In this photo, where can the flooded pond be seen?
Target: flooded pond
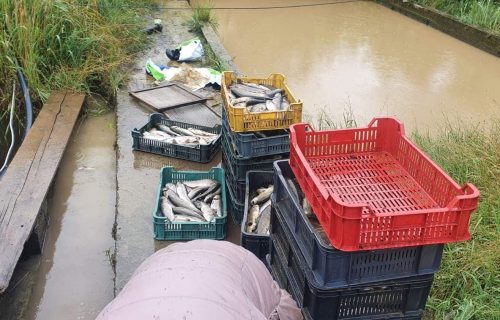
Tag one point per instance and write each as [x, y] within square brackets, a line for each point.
[365, 57]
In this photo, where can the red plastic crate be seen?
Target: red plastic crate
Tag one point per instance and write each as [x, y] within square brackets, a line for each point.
[372, 188]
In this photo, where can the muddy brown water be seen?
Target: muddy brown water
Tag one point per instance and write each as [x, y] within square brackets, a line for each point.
[365, 57]
[75, 277]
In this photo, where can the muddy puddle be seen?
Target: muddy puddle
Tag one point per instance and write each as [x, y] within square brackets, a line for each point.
[365, 57]
[75, 277]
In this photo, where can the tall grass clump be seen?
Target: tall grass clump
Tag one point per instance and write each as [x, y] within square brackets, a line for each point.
[468, 284]
[480, 13]
[202, 14]
[66, 44]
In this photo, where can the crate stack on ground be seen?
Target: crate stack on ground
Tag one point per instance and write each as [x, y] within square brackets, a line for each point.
[381, 212]
[253, 141]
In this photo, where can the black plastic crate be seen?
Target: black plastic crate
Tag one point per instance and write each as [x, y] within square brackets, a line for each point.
[402, 298]
[203, 153]
[250, 145]
[235, 207]
[339, 268]
[240, 167]
[258, 244]
[238, 187]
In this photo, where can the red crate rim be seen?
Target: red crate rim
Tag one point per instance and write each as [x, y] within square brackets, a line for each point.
[469, 191]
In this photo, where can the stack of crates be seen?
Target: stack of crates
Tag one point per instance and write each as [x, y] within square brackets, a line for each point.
[253, 141]
[382, 211]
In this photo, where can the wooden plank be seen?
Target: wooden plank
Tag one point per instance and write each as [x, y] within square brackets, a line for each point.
[24, 186]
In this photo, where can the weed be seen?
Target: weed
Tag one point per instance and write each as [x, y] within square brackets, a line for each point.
[202, 14]
[480, 13]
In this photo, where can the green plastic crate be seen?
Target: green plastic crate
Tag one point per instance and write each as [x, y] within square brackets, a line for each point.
[166, 230]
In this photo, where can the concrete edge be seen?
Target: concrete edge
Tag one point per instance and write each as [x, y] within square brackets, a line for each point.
[474, 36]
[218, 48]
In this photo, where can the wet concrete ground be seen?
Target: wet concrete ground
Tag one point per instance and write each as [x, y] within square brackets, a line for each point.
[138, 172]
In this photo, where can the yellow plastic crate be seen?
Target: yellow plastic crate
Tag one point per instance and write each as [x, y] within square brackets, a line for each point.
[240, 120]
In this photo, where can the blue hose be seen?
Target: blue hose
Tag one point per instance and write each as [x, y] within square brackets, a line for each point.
[27, 101]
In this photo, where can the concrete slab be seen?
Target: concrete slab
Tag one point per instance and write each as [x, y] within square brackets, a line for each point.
[138, 172]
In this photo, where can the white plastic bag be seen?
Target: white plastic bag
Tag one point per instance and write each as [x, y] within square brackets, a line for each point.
[191, 50]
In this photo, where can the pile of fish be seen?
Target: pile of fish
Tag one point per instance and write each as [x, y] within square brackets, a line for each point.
[196, 201]
[258, 98]
[190, 137]
[259, 215]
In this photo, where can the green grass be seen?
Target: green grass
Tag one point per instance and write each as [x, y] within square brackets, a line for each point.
[468, 283]
[202, 14]
[67, 44]
[481, 13]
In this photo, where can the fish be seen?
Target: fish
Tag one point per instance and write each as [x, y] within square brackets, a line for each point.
[210, 196]
[263, 196]
[261, 107]
[307, 207]
[170, 186]
[271, 106]
[159, 133]
[181, 131]
[207, 192]
[166, 208]
[277, 100]
[253, 216]
[264, 221]
[182, 192]
[166, 129]
[215, 205]
[188, 212]
[185, 218]
[195, 191]
[202, 133]
[266, 205]
[257, 98]
[208, 213]
[178, 202]
[151, 136]
[245, 91]
[207, 183]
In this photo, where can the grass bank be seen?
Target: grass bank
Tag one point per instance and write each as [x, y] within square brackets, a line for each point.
[480, 13]
[468, 284]
[66, 44]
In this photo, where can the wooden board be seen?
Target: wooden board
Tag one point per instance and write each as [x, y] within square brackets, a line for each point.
[24, 185]
[167, 97]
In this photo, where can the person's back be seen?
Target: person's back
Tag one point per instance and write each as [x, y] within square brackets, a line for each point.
[202, 279]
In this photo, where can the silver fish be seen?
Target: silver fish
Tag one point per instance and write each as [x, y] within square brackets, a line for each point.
[151, 136]
[272, 93]
[181, 131]
[166, 208]
[208, 214]
[187, 212]
[246, 91]
[166, 129]
[178, 202]
[277, 100]
[210, 196]
[210, 190]
[264, 221]
[265, 206]
[206, 183]
[181, 191]
[199, 132]
[285, 105]
[263, 196]
[195, 191]
[261, 107]
[170, 186]
[215, 205]
[253, 217]
[159, 133]
[271, 106]
[185, 218]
